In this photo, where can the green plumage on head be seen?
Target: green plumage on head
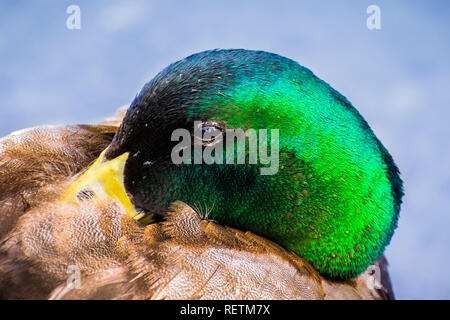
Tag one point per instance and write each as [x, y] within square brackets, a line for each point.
[336, 197]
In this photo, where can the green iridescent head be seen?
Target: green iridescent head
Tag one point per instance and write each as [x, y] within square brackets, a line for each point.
[336, 197]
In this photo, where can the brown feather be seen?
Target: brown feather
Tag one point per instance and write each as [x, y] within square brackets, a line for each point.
[33, 160]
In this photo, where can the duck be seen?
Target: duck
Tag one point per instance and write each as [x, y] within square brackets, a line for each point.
[113, 201]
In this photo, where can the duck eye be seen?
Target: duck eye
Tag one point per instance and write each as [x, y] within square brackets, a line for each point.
[209, 132]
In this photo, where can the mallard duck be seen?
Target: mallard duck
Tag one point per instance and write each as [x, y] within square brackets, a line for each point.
[110, 202]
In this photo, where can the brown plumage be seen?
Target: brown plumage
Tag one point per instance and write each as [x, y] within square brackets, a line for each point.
[183, 257]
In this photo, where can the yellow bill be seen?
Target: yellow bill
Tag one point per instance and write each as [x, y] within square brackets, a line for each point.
[104, 181]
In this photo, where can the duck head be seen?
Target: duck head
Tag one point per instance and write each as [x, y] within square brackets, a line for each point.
[330, 191]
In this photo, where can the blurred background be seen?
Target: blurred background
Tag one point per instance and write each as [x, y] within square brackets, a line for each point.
[398, 77]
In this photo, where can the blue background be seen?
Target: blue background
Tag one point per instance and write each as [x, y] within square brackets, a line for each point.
[398, 78]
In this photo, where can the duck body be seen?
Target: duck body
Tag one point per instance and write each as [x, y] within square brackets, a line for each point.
[316, 229]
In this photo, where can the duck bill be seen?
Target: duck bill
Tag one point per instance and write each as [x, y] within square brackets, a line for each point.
[103, 183]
